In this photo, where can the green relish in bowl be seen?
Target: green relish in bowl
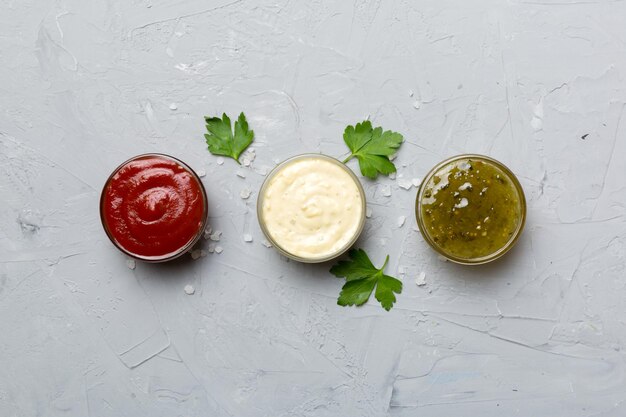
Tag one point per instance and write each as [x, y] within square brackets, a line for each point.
[471, 209]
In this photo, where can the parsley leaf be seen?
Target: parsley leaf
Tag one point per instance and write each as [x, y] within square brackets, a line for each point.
[372, 147]
[221, 140]
[361, 278]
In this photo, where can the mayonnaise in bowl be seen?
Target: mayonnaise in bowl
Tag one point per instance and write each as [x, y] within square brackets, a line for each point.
[312, 208]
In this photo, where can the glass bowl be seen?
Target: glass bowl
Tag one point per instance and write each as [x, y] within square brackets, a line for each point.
[521, 210]
[181, 250]
[277, 245]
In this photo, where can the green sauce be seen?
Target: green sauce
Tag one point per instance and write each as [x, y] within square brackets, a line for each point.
[470, 208]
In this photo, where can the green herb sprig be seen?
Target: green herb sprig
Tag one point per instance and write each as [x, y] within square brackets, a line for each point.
[372, 147]
[223, 141]
[361, 279]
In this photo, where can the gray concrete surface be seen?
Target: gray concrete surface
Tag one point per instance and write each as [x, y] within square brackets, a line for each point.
[539, 85]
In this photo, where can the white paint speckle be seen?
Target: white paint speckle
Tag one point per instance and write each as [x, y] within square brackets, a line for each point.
[417, 104]
[189, 289]
[537, 120]
[244, 194]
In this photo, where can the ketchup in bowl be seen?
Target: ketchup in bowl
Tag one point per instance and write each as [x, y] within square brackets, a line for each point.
[153, 207]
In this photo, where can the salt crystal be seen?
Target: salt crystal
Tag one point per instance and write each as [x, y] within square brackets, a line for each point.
[386, 191]
[219, 249]
[131, 264]
[189, 289]
[266, 243]
[411, 93]
[173, 106]
[211, 247]
[207, 232]
[442, 258]
[201, 173]
[392, 176]
[405, 184]
[368, 212]
[416, 182]
[421, 279]
[401, 221]
[417, 104]
[195, 254]
[220, 160]
[241, 174]
[216, 236]
[401, 270]
[245, 193]
[247, 237]
[246, 162]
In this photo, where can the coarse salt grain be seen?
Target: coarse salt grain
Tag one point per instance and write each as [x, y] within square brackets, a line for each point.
[401, 221]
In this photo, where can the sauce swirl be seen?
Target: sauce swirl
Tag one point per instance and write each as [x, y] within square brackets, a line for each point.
[312, 207]
[153, 207]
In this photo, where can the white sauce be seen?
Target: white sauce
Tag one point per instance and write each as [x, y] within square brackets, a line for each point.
[312, 208]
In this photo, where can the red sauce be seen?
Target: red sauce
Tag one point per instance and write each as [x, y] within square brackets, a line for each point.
[153, 206]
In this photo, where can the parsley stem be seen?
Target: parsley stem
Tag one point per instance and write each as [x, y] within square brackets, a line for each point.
[348, 158]
[385, 264]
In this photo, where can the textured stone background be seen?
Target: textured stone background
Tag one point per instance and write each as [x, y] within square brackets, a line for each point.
[537, 84]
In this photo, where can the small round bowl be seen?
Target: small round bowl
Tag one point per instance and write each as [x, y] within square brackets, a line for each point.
[482, 259]
[264, 226]
[183, 249]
